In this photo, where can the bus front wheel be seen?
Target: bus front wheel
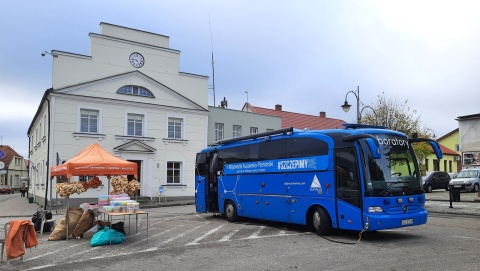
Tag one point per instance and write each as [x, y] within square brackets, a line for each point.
[322, 224]
[230, 211]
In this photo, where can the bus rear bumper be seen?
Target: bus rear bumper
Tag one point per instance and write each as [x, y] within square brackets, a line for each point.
[383, 221]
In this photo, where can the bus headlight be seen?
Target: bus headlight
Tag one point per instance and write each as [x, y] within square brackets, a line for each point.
[375, 209]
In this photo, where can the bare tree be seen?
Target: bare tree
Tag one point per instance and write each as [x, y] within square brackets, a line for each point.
[400, 117]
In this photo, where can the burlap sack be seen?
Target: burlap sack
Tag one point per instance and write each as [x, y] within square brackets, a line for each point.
[59, 233]
[84, 224]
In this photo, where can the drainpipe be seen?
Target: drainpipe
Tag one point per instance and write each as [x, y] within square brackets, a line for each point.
[48, 158]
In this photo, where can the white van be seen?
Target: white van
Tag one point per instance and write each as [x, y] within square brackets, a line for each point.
[467, 179]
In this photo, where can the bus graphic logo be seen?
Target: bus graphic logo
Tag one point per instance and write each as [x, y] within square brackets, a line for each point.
[316, 186]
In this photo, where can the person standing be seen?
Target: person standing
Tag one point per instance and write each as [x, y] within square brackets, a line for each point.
[23, 190]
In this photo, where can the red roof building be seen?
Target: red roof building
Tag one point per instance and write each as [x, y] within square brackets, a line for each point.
[297, 120]
[12, 167]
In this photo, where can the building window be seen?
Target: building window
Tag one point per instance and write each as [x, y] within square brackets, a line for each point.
[85, 179]
[450, 166]
[269, 130]
[426, 164]
[253, 130]
[436, 165]
[135, 125]
[135, 90]
[237, 131]
[445, 166]
[457, 147]
[45, 125]
[173, 172]
[175, 128]
[218, 131]
[88, 121]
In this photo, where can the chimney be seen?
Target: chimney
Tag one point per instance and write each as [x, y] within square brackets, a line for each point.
[323, 114]
[278, 107]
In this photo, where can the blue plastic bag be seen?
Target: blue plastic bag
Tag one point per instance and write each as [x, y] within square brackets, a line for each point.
[107, 236]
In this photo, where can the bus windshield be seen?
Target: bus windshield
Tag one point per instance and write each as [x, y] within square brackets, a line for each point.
[396, 172]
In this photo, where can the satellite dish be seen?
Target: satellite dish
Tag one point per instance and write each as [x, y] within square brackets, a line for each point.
[224, 103]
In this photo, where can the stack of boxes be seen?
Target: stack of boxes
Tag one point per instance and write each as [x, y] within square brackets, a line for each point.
[117, 204]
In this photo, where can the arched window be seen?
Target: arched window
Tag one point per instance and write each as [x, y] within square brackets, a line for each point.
[135, 90]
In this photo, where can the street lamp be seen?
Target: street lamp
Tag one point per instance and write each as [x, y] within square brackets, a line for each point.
[346, 106]
[373, 110]
[428, 129]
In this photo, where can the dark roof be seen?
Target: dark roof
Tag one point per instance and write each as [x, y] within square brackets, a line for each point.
[9, 154]
[298, 120]
[474, 116]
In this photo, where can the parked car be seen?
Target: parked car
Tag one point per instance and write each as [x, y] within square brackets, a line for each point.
[467, 179]
[6, 189]
[435, 180]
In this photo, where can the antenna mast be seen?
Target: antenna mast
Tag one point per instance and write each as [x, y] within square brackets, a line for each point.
[213, 66]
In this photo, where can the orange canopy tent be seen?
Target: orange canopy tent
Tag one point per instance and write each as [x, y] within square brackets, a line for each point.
[94, 161]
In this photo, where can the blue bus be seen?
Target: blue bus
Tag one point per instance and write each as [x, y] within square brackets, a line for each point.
[362, 178]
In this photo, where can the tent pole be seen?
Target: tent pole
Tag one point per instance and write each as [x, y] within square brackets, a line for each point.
[67, 215]
[108, 185]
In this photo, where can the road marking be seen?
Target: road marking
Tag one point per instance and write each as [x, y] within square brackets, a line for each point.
[51, 252]
[177, 236]
[466, 237]
[210, 232]
[156, 247]
[228, 236]
[256, 233]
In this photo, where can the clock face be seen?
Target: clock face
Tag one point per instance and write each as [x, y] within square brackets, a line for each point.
[137, 60]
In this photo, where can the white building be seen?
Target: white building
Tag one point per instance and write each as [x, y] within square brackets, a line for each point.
[469, 129]
[129, 96]
[226, 123]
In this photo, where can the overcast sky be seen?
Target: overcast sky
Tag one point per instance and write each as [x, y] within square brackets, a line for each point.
[304, 55]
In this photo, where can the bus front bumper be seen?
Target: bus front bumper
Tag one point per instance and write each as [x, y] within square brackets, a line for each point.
[383, 221]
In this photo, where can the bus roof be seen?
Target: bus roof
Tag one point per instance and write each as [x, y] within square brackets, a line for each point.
[350, 129]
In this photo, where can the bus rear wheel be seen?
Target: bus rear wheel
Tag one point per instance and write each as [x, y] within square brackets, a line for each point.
[321, 222]
[230, 211]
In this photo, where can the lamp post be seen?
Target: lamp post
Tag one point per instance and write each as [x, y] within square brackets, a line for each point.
[347, 106]
[428, 129]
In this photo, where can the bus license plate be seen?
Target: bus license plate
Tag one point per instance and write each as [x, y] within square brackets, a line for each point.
[407, 221]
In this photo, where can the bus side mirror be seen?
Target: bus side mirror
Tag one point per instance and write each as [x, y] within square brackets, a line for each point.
[436, 148]
[372, 142]
[374, 148]
[433, 143]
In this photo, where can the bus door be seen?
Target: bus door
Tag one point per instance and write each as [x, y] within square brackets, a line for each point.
[201, 174]
[206, 183]
[348, 190]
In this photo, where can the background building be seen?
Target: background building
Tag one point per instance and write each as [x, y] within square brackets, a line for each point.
[469, 129]
[12, 167]
[226, 123]
[297, 120]
[129, 96]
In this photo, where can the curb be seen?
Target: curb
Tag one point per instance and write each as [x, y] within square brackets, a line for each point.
[150, 206]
